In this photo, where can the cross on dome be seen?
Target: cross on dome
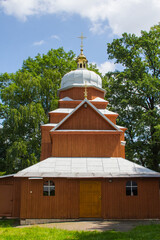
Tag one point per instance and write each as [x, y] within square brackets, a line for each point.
[82, 37]
[81, 59]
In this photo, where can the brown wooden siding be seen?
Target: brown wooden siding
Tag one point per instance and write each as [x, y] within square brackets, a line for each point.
[56, 117]
[77, 93]
[16, 198]
[115, 204]
[73, 104]
[112, 118]
[68, 104]
[65, 203]
[100, 105]
[84, 144]
[86, 118]
[46, 147]
[122, 147]
[10, 197]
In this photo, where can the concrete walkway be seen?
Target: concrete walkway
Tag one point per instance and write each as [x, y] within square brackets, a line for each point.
[123, 225]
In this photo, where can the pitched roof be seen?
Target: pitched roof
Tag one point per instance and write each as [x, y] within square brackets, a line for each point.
[98, 99]
[66, 99]
[69, 110]
[93, 107]
[78, 167]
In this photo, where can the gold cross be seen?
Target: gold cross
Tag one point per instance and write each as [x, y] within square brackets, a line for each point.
[82, 37]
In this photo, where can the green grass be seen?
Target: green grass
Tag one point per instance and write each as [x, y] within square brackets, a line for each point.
[8, 232]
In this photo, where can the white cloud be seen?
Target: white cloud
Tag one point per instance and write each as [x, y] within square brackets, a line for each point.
[39, 43]
[106, 67]
[55, 37]
[120, 15]
[98, 28]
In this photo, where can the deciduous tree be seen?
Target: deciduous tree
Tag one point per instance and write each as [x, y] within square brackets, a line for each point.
[26, 98]
[134, 93]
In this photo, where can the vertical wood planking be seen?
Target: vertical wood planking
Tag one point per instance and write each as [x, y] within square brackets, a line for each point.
[85, 145]
[77, 93]
[119, 206]
[65, 203]
[86, 118]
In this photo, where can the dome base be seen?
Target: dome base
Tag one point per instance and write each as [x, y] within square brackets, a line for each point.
[76, 92]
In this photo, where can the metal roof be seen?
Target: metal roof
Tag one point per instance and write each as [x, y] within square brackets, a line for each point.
[66, 99]
[5, 176]
[98, 99]
[79, 77]
[50, 124]
[69, 110]
[78, 167]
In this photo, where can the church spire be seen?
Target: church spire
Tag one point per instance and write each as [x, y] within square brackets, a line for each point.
[81, 59]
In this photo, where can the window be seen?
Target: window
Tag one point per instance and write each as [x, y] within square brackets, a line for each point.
[80, 65]
[131, 188]
[48, 188]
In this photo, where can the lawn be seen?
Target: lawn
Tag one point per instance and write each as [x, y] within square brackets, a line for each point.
[9, 232]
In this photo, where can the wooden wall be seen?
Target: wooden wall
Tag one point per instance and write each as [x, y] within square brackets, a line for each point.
[112, 118]
[73, 104]
[46, 147]
[100, 105]
[68, 104]
[77, 93]
[65, 203]
[85, 144]
[115, 204]
[122, 138]
[56, 117]
[86, 118]
[9, 197]
[119, 206]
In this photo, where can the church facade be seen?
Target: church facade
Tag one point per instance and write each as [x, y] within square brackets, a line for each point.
[83, 172]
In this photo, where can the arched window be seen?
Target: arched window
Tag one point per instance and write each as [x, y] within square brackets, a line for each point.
[131, 188]
[80, 65]
[48, 188]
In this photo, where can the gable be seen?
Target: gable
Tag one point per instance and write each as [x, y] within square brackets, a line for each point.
[86, 118]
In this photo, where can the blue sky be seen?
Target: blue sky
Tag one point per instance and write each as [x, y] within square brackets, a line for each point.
[29, 27]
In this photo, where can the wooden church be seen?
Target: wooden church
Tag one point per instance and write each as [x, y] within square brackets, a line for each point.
[83, 172]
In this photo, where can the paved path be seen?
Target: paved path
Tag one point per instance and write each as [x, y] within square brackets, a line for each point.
[123, 225]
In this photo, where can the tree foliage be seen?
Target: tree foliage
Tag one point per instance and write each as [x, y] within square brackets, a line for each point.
[26, 98]
[134, 93]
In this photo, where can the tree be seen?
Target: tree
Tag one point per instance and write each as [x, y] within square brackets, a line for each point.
[26, 98]
[135, 93]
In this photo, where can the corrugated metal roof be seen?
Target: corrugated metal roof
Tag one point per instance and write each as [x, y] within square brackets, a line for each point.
[77, 167]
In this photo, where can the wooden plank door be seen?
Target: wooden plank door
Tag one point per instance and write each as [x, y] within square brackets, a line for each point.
[90, 199]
